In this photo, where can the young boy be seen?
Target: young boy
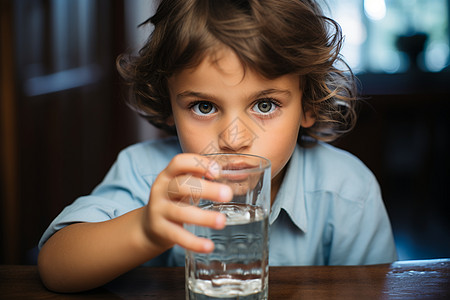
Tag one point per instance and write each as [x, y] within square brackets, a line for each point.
[254, 77]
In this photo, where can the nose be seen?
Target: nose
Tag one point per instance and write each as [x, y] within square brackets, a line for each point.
[237, 136]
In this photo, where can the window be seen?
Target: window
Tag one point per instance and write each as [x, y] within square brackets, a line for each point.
[393, 36]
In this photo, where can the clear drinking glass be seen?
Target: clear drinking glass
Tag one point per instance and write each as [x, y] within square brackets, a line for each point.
[238, 267]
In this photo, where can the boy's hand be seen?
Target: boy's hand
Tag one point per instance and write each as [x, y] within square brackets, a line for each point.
[169, 208]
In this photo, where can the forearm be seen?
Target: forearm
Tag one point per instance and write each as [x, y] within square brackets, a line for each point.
[83, 256]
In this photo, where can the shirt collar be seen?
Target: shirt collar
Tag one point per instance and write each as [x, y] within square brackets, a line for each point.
[290, 196]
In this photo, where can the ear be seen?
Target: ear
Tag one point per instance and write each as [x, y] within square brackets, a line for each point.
[308, 119]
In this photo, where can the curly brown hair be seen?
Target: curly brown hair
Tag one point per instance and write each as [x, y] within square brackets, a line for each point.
[271, 37]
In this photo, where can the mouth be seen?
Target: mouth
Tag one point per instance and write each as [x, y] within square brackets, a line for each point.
[237, 167]
[238, 172]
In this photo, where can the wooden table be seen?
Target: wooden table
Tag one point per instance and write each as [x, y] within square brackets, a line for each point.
[419, 279]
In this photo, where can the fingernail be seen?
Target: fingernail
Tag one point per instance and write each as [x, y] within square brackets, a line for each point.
[214, 169]
[208, 246]
[225, 193]
[220, 221]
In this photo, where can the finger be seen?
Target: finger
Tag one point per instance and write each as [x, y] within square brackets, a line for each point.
[186, 187]
[196, 216]
[188, 240]
[189, 163]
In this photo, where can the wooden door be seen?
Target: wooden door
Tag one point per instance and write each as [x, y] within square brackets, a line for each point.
[68, 120]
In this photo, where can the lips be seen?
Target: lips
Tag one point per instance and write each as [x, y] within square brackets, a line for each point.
[238, 172]
[238, 166]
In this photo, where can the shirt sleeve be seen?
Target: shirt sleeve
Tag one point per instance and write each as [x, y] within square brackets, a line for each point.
[123, 189]
[362, 235]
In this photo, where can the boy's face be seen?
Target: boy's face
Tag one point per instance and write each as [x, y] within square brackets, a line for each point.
[219, 108]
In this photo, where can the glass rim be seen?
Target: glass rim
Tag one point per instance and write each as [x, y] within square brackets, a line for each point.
[263, 164]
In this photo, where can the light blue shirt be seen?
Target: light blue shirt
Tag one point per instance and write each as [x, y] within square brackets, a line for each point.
[328, 210]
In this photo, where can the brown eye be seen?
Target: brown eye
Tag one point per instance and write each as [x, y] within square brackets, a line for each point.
[203, 108]
[264, 106]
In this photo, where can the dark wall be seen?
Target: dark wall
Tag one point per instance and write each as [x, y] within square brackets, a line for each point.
[405, 141]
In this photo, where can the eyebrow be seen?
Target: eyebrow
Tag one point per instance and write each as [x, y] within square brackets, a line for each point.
[259, 94]
[270, 92]
[194, 94]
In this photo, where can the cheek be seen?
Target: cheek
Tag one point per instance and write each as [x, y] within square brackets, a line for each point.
[188, 141]
[187, 134]
[195, 139]
[280, 144]
[282, 149]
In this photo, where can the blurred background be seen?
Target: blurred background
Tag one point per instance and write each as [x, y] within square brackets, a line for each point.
[63, 119]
